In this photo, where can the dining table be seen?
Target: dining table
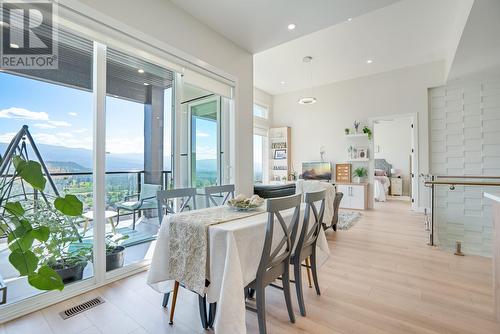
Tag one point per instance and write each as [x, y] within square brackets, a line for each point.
[233, 251]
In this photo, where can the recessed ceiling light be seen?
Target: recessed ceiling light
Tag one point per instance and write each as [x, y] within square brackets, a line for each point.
[307, 100]
[282, 82]
[349, 19]
[291, 26]
[369, 61]
[146, 84]
[140, 70]
[14, 46]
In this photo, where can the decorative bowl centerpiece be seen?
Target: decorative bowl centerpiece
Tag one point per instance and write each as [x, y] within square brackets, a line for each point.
[243, 203]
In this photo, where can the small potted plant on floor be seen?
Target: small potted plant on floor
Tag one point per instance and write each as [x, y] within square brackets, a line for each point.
[114, 251]
[359, 173]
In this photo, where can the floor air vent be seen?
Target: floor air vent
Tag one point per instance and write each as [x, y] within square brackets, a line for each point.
[81, 308]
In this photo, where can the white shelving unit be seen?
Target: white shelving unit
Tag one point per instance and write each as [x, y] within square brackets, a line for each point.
[279, 140]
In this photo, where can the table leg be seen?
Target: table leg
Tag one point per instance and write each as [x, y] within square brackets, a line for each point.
[308, 264]
[110, 220]
[85, 225]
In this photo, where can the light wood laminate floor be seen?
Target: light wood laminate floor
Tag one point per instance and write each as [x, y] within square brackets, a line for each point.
[381, 278]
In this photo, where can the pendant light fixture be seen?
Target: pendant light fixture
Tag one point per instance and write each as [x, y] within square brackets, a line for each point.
[308, 99]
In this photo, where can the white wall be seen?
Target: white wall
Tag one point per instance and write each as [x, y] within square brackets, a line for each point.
[392, 142]
[163, 21]
[340, 104]
[465, 140]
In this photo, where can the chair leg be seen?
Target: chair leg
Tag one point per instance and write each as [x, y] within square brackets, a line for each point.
[212, 309]
[308, 269]
[297, 272]
[117, 216]
[261, 308]
[202, 306]
[286, 292]
[334, 227]
[133, 220]
[166, 296]
[174, 301]
[251, 293]
[315, 271]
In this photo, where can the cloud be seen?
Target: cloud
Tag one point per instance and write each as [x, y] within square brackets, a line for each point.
[201, 134]
[74, 114]
[59, 123]
[7, 137]
[21, 113]
[43, 126]
[64, 139]
[125, 145]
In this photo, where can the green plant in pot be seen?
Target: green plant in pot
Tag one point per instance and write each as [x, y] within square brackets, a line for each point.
[31, 240]
[61, 251]
[347, 131]
[368, 132]
[114, 251]
[359, 173]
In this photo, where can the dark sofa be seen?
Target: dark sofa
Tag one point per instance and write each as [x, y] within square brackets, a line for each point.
[274, 190]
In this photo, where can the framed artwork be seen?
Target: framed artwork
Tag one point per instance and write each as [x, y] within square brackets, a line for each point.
[316, 171]
[343, 173]
[280, 154]
[362, 153]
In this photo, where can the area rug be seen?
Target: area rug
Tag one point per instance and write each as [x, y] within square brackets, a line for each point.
[347, 219]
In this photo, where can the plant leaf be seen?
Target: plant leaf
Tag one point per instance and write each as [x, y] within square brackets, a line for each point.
[46, 279]
[14, 208]
[23, 243]
[69, 205]
[41, 233]
[24, 262]
[31, 172]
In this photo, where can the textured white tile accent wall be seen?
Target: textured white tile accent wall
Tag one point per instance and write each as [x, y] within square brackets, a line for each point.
[464, 140]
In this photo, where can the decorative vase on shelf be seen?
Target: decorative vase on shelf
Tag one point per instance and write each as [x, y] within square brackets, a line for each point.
[357, 179]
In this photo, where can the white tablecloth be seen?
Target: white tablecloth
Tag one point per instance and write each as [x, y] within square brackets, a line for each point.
[234, 249]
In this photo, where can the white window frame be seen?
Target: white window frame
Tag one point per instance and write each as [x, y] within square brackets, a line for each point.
[127, 40]
[261, 127]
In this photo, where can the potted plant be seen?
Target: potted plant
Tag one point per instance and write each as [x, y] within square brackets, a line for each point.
[368, 132]
[62, 251]
[359, 173]
[25, 226]
[346, 130]
[114, 251]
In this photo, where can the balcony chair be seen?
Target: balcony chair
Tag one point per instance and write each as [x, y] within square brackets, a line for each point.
[165, 204]
[146, 200]
[275, 260]
[226, 192]
[306, 244]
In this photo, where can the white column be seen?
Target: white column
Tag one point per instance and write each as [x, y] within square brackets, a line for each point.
[99, 160]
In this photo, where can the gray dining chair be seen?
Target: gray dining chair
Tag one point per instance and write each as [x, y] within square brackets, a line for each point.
[275, 258]
[336, 206]
[225, 192]
[306, 244]
[165, 199]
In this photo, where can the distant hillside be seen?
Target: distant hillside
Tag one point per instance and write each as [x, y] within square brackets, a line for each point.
[65, 167]
[60, 156]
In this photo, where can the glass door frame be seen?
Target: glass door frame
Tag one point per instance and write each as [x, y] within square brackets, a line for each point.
[190, 105]
[128, 41]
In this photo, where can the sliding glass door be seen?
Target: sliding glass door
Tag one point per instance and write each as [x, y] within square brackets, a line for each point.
[205, 142]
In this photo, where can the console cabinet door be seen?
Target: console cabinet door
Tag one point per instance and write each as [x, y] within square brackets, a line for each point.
[345, 203]
[358, 197]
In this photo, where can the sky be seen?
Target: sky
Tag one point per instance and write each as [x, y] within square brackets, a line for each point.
[62, 116]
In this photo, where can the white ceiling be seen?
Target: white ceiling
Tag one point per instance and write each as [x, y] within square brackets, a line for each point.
[479, 47]
[257, 25]
[406, 33]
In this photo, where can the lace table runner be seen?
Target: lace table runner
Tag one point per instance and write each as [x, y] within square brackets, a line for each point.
[188, 243]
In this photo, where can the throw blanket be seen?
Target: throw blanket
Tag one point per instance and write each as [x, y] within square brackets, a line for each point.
[306, 186]
[188, 244]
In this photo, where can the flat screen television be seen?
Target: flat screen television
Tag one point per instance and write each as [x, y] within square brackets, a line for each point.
[317, 170]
